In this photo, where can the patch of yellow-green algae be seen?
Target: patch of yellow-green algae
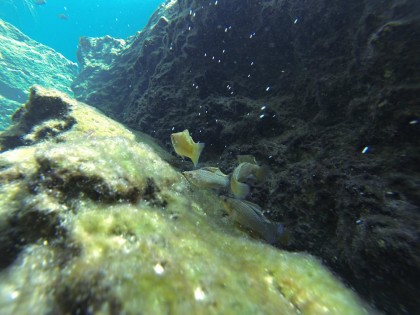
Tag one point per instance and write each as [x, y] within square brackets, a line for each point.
[105, 226]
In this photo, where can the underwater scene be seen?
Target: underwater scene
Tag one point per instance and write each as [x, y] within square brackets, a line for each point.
[210, 157]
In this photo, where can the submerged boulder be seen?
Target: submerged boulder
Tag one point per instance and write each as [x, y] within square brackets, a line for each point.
[24, 62]
[93, 219]
[325, 93]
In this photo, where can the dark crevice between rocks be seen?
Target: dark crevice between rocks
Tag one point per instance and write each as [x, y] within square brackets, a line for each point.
[86, 296]
[151, 194]
[28, 225]
[94, 187]
[76, 186]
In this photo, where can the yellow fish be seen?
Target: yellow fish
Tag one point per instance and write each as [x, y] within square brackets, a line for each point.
[246, 158]
[208, 177]
[244, 173]
[185, 146]
[250, 216]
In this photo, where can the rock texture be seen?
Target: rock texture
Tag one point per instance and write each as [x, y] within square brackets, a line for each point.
[93, 220]
[305, 87]
[24, 62]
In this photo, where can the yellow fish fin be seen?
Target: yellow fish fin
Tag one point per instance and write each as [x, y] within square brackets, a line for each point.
[197, 149]
[261, 173]
[239, 190]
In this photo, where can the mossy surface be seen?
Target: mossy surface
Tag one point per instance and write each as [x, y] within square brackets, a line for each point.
[100, 223]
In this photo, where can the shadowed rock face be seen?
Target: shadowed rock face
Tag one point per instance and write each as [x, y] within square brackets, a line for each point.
[305, 87]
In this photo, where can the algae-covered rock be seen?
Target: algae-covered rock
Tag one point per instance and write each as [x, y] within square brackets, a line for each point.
[94, 220]
[24, 62]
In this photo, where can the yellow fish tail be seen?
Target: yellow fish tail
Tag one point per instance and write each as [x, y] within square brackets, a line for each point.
[261, 173]
[239, 190]
[276, 233]
[198, 148]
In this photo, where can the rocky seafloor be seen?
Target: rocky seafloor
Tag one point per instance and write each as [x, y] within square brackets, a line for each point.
[324, 93]
[94, 220]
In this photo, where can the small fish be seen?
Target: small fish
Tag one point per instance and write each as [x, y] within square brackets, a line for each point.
[244, 174]
[208, 177]
[62, 16]
[185, 146]
[40, 2]
[250, 216]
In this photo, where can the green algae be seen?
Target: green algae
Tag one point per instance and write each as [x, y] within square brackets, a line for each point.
[106, 226]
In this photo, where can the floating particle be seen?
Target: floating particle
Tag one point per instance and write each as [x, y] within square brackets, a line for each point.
[215, 2]
[226, 29]
[365, 149]
[414, 122]
[199, 294]
[261, 116]
[14, 294]
[263, 107]
[158, 268]
[295, 21]
[252, 63]
[267, 88]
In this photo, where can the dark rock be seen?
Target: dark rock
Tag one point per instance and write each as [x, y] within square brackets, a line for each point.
[305, 87]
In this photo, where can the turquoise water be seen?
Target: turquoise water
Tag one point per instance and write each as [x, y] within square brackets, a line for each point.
[60, 23]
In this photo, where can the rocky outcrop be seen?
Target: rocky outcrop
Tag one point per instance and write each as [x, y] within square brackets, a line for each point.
[324, 93]
[24, 62]
[93, 220]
